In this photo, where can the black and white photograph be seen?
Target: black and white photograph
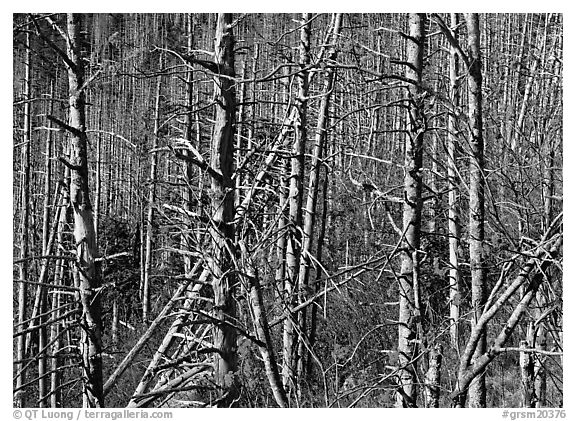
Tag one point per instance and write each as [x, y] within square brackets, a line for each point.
[287, 210]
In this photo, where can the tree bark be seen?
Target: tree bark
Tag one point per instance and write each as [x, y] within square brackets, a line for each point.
[453, 214]
[412, 212]
[84, 234]
[294, 236]
[433, 377]
[526, 362]
[477, 391]
[222, 208]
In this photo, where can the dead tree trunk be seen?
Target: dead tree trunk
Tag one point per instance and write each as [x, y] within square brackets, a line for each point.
[19, 397]
[433, 377]
[294, 239]
[477, 392]
[151, 202]
[314, 179]
[84, 234]
[526, 360]
[42, 361]
[409, 290]
[453, 214]
[222, 209]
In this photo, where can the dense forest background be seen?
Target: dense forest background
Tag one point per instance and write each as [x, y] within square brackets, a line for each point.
[255, 210]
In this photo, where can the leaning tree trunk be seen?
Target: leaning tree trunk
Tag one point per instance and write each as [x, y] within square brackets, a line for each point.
[314, 179]
[477, 391]
[84, 234]
[409, 290]
[222, 208]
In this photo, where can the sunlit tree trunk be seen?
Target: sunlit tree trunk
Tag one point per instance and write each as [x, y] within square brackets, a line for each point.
[477, 391]
[412, 211]
[453, 186]
[84, 234]
[294, 239]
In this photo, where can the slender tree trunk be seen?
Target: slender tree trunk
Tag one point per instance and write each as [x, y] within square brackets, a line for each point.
[240, 129]
[477, 391]
[453, 214]
[222, 208]
[19, 397]
[540, 330]
[280, 276]
[314, 179]
[98, 178]
[186, 239]
[408, 305]
[84, 235]
[149, 243]
[42, 363]
[294, 240]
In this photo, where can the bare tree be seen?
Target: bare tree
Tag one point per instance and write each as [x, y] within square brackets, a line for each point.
[294, 233]
[222, 209]
[453, 216]
[19, 398]
[409, 306]
[477, 392]
[149, 243]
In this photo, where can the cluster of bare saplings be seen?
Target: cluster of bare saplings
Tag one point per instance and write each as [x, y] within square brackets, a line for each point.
[293, 210]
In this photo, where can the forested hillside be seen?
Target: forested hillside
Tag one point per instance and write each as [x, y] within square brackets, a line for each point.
[293, 210]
